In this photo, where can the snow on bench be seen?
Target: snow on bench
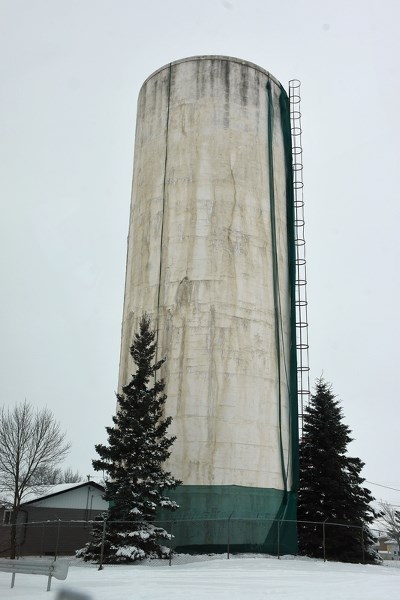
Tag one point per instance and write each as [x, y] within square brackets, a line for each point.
[43, 566]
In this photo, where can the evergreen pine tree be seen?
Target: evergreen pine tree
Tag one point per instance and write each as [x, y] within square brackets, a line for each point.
[331, 487]
[133, 462]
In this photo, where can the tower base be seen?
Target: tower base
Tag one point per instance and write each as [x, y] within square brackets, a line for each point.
[245, 519]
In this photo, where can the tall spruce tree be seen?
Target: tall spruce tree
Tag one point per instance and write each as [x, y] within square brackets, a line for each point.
[331, 489]
[138, 446]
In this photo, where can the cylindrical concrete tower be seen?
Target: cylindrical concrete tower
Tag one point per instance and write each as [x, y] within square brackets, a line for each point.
[211, 260]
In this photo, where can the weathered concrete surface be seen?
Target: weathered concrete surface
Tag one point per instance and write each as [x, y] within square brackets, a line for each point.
[200, 263]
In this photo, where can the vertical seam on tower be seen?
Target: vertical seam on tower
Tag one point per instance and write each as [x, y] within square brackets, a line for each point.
[293, 414]
[163, 211]
[275, 275]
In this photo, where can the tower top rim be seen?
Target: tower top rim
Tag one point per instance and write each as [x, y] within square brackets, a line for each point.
[205, 57]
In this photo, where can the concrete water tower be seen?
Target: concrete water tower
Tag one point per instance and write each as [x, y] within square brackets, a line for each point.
[211, 260]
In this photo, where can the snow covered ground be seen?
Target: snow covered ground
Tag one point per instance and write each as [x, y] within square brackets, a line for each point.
[247, 578]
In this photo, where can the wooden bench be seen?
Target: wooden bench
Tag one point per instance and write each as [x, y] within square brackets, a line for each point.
[43, 566]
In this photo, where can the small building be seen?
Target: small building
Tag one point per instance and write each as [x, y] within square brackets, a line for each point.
[55, 521]
[388, 548]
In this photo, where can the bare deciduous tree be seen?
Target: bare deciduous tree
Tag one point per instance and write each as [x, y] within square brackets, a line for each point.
[390, 521]
[46, 476]
[30, 440]
[69, 476]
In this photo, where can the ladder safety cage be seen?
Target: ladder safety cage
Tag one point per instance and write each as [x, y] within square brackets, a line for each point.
[302, 345]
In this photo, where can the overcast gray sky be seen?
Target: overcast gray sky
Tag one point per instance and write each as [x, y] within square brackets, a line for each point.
[71, 71]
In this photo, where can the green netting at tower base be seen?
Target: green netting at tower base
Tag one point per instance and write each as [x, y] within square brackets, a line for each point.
[211, 518]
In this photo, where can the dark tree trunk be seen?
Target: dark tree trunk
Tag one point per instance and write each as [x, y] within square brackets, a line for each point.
[13, 534]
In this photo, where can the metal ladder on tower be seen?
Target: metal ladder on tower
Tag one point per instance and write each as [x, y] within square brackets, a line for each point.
[302, 345]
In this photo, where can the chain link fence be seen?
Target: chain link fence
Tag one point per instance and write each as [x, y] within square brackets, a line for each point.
[46, 538]
[198, 538]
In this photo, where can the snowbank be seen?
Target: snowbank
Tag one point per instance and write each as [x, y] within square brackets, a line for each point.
[247, 578]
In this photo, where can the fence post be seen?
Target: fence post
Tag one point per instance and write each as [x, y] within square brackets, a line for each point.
[42, 548]
[323, 539]
[362, 542]
[279, 539]
[103, 537]
[58, 539]
[229, 537]
[171, 550]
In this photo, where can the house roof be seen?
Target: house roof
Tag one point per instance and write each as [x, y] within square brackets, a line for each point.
[4, 503]
[49, 490]
[56, 490]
